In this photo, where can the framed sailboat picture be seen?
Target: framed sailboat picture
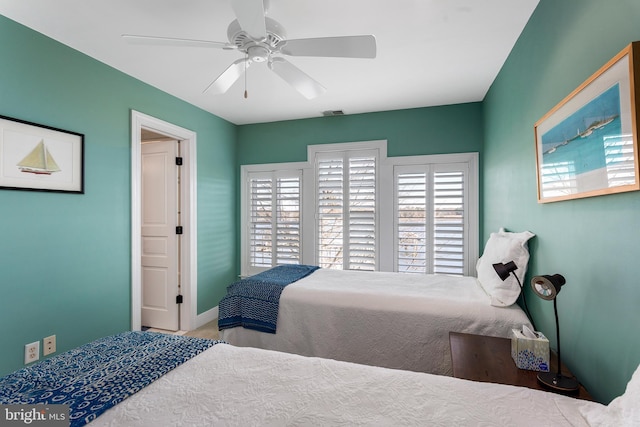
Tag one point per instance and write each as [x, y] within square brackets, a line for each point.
[587, 145]
[41, 158]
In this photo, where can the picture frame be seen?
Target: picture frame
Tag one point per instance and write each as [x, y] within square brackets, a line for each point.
[587, 145]
[40, 158]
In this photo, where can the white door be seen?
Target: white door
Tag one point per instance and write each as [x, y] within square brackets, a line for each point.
[160, 246]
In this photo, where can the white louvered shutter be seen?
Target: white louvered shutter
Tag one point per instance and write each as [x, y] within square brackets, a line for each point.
[430, 231]
[274, 219]
[287, 235]
[362, 213]
[260, 222]
[449, 222]
[330, 184]
[411, 222]
[346, 210]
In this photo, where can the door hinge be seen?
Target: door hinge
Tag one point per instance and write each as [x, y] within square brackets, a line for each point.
[178, 299]
[179, 161]
[179, 229]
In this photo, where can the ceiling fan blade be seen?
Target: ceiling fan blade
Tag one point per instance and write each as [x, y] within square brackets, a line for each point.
[344, 47]
[168, 41]
[296, 78]
[229, 76]
[250, 14]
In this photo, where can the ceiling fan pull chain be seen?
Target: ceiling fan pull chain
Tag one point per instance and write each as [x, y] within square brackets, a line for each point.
[245, 76]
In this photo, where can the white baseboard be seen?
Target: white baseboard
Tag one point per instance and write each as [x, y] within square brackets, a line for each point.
[207, 316]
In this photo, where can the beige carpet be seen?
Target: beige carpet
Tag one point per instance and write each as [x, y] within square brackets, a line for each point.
[209, 330]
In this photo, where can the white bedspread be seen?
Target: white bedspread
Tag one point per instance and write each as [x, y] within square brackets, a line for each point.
[382, 319]
[230, 386]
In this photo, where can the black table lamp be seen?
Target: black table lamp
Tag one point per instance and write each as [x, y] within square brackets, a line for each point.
[503, 271]
[548, 287]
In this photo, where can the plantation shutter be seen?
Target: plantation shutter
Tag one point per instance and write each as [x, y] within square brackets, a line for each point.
[411, 222]
[449, 222]
[330, 183]
[260, 222]
[430, 218]
[346, 213]
[362, 213]
[365, 211]
[288, 221]
[274, 219]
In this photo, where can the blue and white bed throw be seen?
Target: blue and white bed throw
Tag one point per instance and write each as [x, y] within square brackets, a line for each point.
[253, 302]
[96, 376]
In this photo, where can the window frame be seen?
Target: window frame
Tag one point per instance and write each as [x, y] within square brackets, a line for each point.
[437, 163]
[378, 149]
[274, 170]
[385, 212]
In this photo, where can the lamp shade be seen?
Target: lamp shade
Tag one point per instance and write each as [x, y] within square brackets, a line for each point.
[504, 270]
[547, 287]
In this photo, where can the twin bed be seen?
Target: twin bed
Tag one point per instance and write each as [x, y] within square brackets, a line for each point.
[224, 385]
[391, 320]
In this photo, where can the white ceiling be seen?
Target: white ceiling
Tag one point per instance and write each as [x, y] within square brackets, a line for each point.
[429, 52]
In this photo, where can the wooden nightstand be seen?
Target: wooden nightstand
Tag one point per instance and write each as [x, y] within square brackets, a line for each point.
[488, 359]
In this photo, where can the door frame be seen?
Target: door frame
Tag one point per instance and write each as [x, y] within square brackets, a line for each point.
[188, 200]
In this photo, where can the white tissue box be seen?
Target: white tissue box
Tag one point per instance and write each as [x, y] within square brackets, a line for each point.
[530, 353]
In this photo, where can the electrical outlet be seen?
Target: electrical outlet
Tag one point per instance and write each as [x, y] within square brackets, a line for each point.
[31, 352]
[48, 345]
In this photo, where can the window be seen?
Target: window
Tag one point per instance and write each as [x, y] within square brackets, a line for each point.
[363, 211]
[346, 209]
[435, 215]
[272, 218]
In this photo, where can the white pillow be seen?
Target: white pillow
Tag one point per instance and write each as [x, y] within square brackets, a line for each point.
[623, 411]
[503, 247]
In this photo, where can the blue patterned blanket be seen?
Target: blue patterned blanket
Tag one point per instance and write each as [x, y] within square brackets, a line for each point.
[253, 302]
[96, 376]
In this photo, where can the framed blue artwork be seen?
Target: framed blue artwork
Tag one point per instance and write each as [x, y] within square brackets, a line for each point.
[587, 145]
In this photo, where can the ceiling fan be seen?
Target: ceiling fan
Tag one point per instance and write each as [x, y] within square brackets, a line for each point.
[263, 39]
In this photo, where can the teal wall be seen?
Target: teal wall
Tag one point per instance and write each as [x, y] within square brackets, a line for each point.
[65, 258]
[593, 242]
[436, 130]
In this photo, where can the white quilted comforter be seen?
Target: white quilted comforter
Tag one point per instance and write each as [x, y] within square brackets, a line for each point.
[231, 386]
[382, 319]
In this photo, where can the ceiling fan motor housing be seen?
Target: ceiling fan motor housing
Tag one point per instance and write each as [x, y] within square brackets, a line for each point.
[258, 50]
